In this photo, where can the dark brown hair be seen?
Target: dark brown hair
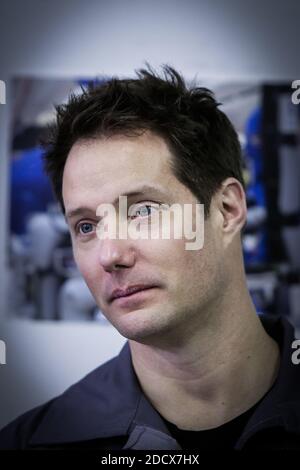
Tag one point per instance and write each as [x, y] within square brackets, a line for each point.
[203, 141]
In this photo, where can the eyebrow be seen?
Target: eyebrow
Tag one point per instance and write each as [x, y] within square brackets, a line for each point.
[155, 189]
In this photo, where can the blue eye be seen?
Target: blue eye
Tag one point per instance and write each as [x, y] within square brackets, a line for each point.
[81, 228]
[142, 211]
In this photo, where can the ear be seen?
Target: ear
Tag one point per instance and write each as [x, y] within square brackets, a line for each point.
[231, 202]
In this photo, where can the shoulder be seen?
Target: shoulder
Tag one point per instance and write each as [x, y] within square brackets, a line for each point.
[18, 433]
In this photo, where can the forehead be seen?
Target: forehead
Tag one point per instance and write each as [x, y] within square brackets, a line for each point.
[104, 168]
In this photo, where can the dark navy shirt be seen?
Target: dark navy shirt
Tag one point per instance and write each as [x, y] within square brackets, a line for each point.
[108, 410]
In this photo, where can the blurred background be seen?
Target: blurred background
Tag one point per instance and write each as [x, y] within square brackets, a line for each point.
[246, 52]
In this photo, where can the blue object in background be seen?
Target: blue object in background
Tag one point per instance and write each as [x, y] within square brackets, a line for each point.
[255, 189]
[30, 188]
[85, 82]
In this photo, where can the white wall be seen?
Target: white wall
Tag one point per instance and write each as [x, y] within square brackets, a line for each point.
[44, 358]
[238, 40]
[233, 38]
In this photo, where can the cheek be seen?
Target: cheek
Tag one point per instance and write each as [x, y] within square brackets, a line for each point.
[193, 269]
[178, 266]
[161, 252]
[87, 265]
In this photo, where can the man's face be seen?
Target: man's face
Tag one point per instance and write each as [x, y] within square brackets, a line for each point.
[180, 283]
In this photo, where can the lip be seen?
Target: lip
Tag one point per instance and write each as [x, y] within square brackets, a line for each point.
[129, 291]
[135, 299]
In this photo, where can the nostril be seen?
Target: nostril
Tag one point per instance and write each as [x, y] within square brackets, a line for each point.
[120, 266]
[116, 256]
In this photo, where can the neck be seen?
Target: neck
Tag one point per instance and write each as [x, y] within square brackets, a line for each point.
[215, 372]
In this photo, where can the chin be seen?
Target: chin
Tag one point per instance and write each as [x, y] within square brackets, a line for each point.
[147, 330]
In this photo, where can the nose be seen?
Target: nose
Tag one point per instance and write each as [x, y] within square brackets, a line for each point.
[116, 254]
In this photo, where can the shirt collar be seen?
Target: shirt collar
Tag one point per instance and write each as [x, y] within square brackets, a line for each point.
[109, 402]
[281, 405]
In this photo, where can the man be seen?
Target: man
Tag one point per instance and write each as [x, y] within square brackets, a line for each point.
[200, 369]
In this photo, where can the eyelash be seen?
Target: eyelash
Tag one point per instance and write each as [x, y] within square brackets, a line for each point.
[80, 224]
[152, 204]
